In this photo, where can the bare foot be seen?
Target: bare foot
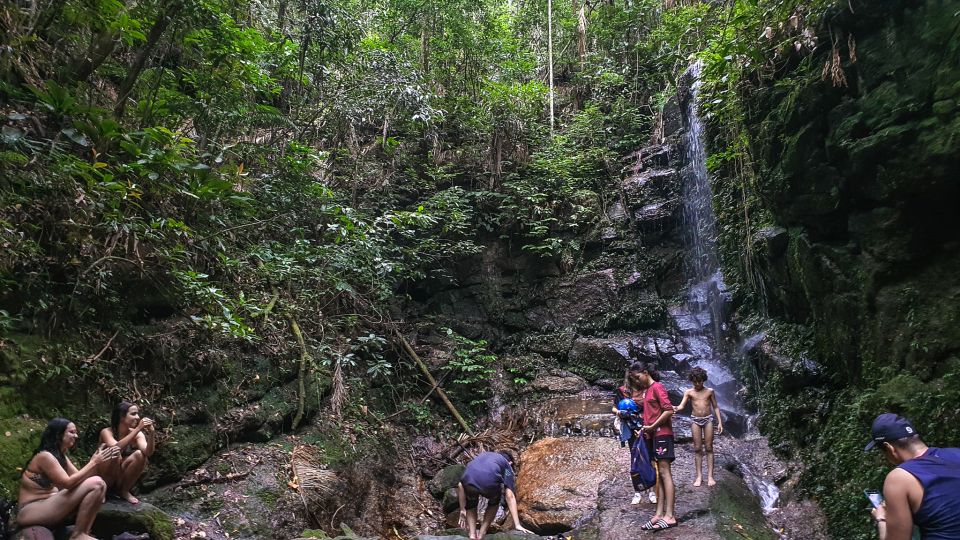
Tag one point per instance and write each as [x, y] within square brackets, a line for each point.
[698, 481]
[129, 498]
[711, 482]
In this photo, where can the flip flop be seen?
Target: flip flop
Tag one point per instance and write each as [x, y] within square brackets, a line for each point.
[661, 525]
[648, 525]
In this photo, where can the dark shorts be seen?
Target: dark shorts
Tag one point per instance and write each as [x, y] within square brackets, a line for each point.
[661, 448]
[473, 498]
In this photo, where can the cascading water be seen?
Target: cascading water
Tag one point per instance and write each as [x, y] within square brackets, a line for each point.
[704, 299]
[701, 319]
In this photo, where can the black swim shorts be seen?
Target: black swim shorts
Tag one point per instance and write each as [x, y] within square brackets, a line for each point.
[661, 448]
[473, 498]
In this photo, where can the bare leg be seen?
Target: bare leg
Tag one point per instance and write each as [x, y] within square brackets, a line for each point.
[87, 512]
[472, 524]
[131, 469]
[488, 515]
[669, 494]
[709, 450]
[85, 499]
[697, 453]
[659, 488]
[109, 471]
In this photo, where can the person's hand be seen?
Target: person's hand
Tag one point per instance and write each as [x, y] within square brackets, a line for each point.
[676, 409]
[879, 513]
[647, 429]
[519, 527]
[719, 429]
[463, 519]
[105, 453]
[146, 424]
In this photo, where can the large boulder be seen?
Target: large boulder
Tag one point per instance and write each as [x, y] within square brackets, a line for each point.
[557, 482]
[587, 296]
[447, 478]
[596, 358]
[117, 517]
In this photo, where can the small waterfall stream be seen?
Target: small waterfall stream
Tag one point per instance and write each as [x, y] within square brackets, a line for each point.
[702, 318]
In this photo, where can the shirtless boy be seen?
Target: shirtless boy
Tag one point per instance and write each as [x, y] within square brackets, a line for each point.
[704, 412]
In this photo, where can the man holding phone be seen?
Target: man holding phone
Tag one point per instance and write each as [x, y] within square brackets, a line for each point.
[924, 487]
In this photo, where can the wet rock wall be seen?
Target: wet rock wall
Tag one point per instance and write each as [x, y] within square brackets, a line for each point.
[853, 251]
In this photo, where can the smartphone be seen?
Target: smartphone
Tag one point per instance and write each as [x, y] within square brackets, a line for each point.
[875, 497]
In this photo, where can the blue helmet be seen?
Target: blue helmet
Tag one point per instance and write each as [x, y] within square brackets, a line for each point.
[627, 405]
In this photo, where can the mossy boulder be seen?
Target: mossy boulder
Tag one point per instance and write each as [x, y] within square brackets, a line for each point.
[447, 478]
[20, 436]
[117, 517]
[188, 446]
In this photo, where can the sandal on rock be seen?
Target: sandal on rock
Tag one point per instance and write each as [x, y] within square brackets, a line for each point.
[661, 525]
[647, 525]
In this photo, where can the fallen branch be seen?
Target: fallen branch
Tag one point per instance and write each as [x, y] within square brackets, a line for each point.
[94, 358]
[433, 382]
[219, 479]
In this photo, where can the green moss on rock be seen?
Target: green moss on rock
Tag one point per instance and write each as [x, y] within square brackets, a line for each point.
[116, 517]
[20, 437]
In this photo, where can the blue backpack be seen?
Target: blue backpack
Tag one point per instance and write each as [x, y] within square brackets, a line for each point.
[641, 469]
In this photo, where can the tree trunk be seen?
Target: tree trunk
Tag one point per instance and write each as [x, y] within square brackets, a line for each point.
[101, 49]
[159, 27]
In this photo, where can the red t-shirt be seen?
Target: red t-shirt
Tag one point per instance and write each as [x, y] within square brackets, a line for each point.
[655, 401]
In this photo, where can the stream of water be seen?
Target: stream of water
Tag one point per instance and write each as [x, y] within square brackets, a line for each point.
[702, 318]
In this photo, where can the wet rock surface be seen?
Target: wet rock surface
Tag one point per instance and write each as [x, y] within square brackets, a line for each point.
[557, 484]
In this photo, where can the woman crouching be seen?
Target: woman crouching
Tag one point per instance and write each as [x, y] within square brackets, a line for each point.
[134, 437]
[52, 488]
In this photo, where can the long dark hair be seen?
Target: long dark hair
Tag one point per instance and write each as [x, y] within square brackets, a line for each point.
[50, 440]
[648, 367]
[118, 413]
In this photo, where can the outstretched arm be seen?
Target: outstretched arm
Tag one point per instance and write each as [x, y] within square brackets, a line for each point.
[64, 479]
[683, 402]
[716, 411]
[462, 498]
[512, 508]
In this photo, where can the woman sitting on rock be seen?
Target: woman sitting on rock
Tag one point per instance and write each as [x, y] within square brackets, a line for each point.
[134, 436]
[52, 488]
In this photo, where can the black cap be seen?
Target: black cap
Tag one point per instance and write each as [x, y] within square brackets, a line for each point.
[889, 427]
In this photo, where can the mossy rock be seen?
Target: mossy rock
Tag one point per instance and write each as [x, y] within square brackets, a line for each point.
[188, 447]
[116, 517]
[736, 511]
[447, 478]
[20, 436]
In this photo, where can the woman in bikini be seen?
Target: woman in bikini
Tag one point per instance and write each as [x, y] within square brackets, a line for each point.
[52, 488]
[135, 437]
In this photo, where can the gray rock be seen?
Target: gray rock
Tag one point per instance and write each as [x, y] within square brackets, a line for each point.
[116, 517]
[447, 478]
[772, 240]
[558, 382]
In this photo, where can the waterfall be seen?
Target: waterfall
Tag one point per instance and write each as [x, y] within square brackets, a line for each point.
[702, 318]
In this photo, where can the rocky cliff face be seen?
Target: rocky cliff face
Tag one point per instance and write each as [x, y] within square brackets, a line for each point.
[857, 256]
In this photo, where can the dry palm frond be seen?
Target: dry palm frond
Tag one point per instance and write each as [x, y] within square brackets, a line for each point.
[833, 69]
[852, 48]
[338, 396]
[311, 479]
